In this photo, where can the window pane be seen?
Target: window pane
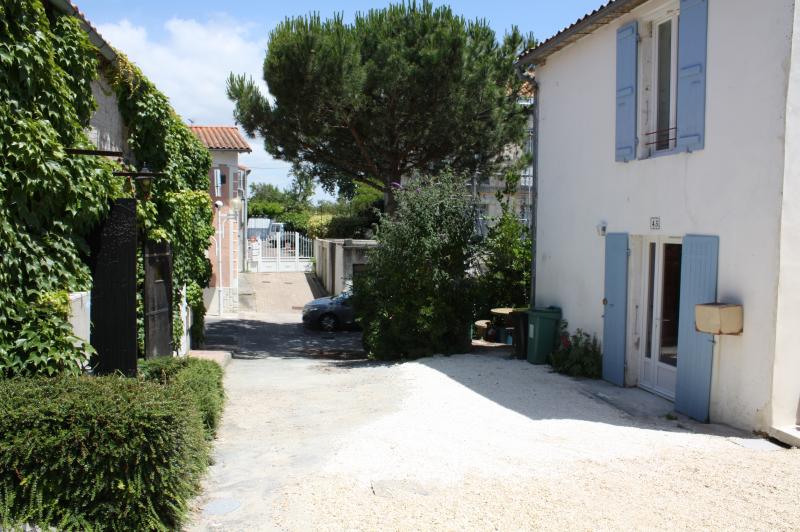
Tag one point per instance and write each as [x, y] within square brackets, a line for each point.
[670, 304]
[650, 293]
[664, 95]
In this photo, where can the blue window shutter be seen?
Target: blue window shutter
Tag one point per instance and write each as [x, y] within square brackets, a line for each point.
[616, 308]
[692, 45]
[627, 93]
[699, 257]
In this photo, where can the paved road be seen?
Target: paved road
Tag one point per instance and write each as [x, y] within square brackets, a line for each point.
[316, 438]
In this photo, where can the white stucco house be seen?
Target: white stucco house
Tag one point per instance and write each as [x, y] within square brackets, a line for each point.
[668, 175]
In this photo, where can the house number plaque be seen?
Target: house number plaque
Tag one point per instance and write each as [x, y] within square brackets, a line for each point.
[655, 223]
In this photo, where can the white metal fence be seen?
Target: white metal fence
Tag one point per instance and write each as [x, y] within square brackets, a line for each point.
[280, 252]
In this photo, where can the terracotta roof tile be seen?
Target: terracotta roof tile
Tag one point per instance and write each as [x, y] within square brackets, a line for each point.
[221, 138]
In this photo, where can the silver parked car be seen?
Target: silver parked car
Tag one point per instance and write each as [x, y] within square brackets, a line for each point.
[330, 313]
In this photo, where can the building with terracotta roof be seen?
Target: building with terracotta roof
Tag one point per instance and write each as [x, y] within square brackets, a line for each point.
[228, 191]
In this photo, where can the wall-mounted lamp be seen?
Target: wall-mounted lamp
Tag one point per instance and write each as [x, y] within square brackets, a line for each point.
[145, 180]
[236, 204]
[602, 229]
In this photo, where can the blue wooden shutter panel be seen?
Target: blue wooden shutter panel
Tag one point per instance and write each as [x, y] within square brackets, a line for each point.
[616, 308]
[692, 48]
[699, 257]
[627, 93]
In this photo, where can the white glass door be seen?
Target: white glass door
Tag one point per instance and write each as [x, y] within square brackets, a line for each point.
[661, 295]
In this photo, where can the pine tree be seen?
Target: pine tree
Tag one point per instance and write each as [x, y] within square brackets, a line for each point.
[402, 91]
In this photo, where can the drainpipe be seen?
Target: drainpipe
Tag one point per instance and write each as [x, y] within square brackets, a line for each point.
[218, 204]
[534, 190]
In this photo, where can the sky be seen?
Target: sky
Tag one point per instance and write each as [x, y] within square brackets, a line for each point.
[188, 47]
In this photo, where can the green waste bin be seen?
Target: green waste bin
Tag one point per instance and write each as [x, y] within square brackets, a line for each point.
[542, 333]
[520, 319]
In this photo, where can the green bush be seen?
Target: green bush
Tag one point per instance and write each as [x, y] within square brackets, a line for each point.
[202, 380]
[97, 453]
[578, 355]
[414, 298]
[506, 277]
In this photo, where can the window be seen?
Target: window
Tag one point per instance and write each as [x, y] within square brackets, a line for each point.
[665, 86]
[217, 182]
[658, 110]
[658, 89]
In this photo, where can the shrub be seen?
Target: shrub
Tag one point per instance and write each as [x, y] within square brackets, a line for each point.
[318, 225]
[97, 453]
[414, 298]
[295, 220]
[506, 277]
[578, 355]
[202, 380]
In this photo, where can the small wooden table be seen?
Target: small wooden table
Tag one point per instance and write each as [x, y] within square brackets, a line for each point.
[502, 311]
[505, 318]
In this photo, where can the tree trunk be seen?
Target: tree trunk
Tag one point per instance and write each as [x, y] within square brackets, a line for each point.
[389, 200]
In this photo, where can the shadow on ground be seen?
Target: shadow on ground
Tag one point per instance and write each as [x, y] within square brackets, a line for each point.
[255, 339]
[533, 391]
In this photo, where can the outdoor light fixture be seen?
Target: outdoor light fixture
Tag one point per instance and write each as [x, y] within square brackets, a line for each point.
[236, 204]
[145, 177]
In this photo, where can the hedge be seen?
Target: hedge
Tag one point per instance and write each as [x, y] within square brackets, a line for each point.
[98, 453]
[202, 379]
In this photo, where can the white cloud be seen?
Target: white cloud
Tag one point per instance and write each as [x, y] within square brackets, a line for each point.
[190, 63]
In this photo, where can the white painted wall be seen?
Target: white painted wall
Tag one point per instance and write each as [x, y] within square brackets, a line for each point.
[732, 188]
[107, 129]
[786, 375]
[80, 314]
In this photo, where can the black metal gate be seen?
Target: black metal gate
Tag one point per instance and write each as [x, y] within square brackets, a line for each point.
[157, 299]
[113, 302]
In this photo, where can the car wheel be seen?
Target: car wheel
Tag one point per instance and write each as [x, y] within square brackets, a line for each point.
[328, 322]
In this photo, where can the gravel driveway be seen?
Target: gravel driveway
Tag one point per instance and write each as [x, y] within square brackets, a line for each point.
[315, 439]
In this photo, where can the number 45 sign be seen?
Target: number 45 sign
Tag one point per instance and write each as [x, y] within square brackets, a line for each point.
[655, 223]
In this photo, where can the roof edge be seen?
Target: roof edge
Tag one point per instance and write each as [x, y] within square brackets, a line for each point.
[68, 8]
[579, 29]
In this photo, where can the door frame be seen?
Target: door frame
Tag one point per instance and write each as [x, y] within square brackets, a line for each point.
[649, 368]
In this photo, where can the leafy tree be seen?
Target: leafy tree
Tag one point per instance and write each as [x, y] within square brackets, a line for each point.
[267, 193]
[407, 90]
[415, 297]
[506, 257]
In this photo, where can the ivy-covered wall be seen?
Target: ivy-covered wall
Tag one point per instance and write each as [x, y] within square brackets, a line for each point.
[178, 208]
[49, 201]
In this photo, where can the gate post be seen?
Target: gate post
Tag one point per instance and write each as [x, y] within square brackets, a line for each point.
[113, 302]
[157, 299]
[297, 251]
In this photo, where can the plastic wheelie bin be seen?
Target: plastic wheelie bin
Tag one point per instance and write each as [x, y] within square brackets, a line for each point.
[542, 333]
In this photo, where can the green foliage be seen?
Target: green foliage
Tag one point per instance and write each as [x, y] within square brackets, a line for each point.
[506, 277]
[578, 355]
[410, 89]
[415, 298]
[356, 216]
[318, 225]
[202, 380]
[98, 453]
[49, 200]
[178, 208]
[268, 193]
[348, 217]
[265, 209]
